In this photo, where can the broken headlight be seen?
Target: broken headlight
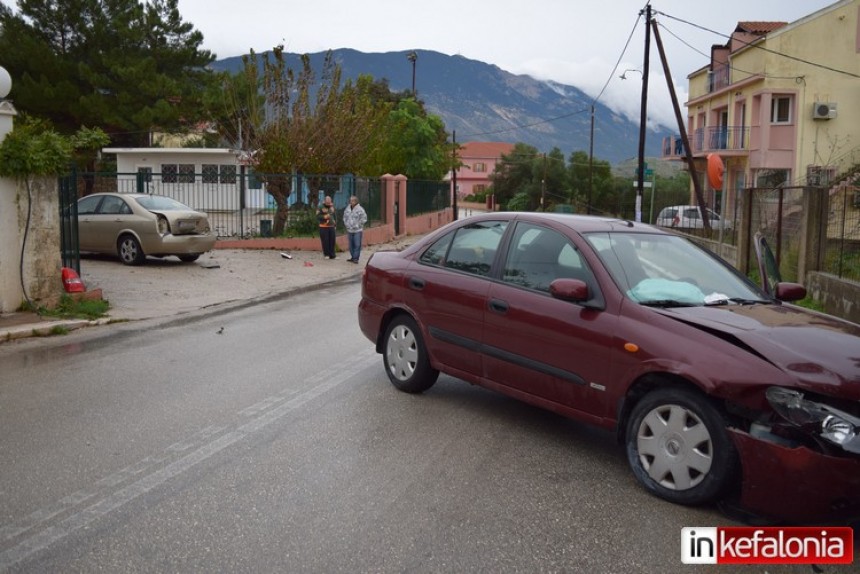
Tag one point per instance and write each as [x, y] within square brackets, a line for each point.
[829, 423]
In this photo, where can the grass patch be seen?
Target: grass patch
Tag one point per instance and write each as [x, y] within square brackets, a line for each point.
[71, 308]
[810, 303]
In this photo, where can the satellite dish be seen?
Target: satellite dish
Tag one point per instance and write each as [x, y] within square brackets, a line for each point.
[715, 171]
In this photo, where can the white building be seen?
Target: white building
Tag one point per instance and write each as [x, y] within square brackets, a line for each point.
[184, 173]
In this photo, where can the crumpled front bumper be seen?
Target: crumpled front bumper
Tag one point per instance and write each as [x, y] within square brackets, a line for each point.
[796, 484]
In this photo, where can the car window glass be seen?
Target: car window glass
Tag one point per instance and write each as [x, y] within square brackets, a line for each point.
[691, 213]
[88, 205]
[112, 205]
[435, 254]
[538, 255]
[474, 247]
[161, 203]
[649, 267]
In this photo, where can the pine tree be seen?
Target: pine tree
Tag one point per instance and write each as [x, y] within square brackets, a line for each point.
[124, 66]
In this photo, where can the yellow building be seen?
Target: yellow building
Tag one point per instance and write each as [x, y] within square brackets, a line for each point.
[779, 103]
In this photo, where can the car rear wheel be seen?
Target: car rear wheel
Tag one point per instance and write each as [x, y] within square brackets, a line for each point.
[189, 258]
[406, 361]
[129, 250]
[678, 447]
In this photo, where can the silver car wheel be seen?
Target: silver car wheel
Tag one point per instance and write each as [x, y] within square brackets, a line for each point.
[129, 250]
[675, 447]
[402, 353]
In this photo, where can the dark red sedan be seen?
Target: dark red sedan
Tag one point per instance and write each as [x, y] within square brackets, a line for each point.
[718, 390]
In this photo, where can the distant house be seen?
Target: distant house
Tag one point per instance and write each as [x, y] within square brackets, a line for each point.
[777, 103]
[172, 171]
[479, 160]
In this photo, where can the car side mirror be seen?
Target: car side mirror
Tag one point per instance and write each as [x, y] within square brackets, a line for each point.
[569, 290]
[790, 292]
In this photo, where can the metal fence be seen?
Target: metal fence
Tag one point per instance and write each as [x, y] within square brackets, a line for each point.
[237, 203]
[842, 251]
[777, 214]
[427, 196]
[69, 246]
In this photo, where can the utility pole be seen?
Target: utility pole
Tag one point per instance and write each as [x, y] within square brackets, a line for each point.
[697, 185]
[543, 186]
[590, 163]
[413, 57]
[454, 169]
[643, 117]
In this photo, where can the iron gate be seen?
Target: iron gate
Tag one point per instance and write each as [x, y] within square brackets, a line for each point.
[69, 248]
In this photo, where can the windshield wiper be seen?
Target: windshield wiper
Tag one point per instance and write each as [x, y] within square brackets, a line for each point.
[667, 303]
[737, 301]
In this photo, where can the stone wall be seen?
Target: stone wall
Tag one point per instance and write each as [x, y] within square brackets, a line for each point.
[36, 218]
[840, 297]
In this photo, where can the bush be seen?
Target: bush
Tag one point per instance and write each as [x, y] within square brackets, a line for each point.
[303, 221]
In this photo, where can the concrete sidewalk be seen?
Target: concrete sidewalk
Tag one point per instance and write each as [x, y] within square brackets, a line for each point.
[163, 288]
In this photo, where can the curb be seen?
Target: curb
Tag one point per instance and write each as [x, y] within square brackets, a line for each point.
[47, 328]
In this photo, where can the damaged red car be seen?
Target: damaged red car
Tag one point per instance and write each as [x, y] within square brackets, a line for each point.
[719, 390]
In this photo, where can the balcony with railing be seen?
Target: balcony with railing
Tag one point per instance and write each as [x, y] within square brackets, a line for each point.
[707, 140]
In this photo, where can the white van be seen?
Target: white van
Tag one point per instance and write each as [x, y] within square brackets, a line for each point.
[689, 217]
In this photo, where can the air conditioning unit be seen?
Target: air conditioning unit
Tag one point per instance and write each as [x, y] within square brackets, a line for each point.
[823, 110]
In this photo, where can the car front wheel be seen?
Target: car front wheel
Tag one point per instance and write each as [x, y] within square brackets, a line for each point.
[406, 361]
[129, 250]
[678, 447]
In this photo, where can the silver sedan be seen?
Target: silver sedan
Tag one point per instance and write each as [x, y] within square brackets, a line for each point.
[134, 225]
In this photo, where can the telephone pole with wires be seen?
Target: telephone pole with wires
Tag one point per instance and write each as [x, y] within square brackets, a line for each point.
[643, 116]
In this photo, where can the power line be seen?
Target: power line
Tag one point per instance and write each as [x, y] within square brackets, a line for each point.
[620, 56]
[734, 68]
[517, 127]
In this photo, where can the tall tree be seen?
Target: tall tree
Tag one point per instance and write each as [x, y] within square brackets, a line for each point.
[514, 175]
[311, 126]
[414, 143]
[122, 65]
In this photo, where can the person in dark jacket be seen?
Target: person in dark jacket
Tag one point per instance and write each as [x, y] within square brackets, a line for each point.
[327, 219]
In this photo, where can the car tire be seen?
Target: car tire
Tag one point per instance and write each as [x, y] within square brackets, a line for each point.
[129, 250]
[678, 447]
[189, 258]
[405, 356]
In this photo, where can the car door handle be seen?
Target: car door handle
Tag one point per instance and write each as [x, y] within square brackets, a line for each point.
[416, 283]
[498, 306]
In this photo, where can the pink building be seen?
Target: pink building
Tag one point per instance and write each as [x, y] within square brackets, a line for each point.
[479, 160]
[777, 103]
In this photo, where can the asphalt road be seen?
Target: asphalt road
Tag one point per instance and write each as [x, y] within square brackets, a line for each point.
[267, 439]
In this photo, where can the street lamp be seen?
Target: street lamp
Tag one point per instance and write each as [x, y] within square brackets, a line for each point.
[623, 75]
[413, 57]
[5, 83]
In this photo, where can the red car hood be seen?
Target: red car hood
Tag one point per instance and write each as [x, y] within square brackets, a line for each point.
[820, 352]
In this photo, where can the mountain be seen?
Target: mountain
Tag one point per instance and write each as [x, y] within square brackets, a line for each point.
[482, 102]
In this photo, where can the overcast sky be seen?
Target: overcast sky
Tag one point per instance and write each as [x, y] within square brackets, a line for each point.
[574, 42]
